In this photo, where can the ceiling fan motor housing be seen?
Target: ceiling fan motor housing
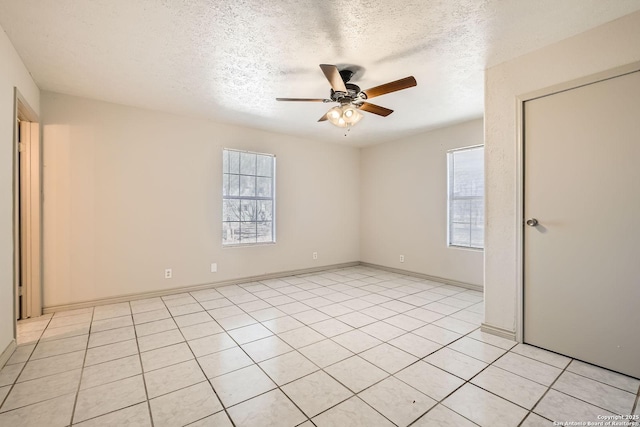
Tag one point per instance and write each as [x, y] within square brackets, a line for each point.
[353, 95]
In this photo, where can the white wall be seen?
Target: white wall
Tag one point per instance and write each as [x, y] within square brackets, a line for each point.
[404, 205]
[130, 192]
[603, 48]
[13, 73]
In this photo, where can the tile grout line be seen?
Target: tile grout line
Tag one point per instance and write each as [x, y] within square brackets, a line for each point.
[393, 376]
[598, 381]
[15, 381]
[545, 393]
[352, 298]
[303, 356]
[529, 411]
[330, 338]
[474, 376]
[224, 408]
[501, 397]
[85, 347]
[635, 410]
[142, 372]
[111, 382]
[356, 394]
[84, 359]
[297, 351]
[563, 370]
[278, 387]
[439, 402]
[320, 369]
[584, 401]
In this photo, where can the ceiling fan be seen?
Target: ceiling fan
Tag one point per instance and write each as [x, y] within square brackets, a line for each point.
[351, 98]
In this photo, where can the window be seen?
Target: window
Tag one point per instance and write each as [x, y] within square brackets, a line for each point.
[466, 197]
[248, 205]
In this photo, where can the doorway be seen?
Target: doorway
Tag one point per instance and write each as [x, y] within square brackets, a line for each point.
[581, 207]
[27, 211]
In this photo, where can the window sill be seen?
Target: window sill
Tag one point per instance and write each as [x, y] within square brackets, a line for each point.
[245, 245]
[466, 248]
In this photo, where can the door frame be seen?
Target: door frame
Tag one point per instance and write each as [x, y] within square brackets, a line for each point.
[27, 219]
[519, 217]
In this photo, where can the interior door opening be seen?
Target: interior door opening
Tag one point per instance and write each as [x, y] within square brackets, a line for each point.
[27, 212]
[18, 293]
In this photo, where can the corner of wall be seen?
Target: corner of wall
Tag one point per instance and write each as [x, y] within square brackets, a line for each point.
[13, 74]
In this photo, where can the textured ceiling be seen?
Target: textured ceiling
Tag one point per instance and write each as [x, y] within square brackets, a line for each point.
[228, 60]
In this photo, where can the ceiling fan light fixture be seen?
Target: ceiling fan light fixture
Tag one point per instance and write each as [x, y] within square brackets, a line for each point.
[334, 114]
[344, 115]
[351, 114]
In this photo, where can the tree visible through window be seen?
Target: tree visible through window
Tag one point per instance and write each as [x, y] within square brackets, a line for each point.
[248, 205]
[466, 197]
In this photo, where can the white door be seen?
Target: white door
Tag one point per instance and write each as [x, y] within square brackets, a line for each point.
[582, 259]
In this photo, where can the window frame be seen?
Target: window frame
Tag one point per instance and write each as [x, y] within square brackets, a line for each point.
[451, 198]
[256, 198]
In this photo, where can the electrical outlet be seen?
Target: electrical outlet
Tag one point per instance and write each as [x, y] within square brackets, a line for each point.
[401, 258]
[168, 273]
[214, 267]
[315, 255]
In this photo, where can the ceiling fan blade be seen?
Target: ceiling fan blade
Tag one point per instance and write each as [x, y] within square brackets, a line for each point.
[405, 83]
[304, 99]
[324, 118]
[375, 109]
[333, 75]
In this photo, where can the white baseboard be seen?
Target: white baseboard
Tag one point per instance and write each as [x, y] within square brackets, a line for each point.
[425, 276]
[500, 332]
[152, 294]
[6, 354]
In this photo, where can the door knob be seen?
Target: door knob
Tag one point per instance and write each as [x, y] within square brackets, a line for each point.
[532, 222]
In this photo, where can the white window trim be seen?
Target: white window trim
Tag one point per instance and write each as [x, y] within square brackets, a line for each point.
[273, 201]
[449, 196]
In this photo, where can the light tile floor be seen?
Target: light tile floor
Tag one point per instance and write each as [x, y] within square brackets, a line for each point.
[347, 347]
